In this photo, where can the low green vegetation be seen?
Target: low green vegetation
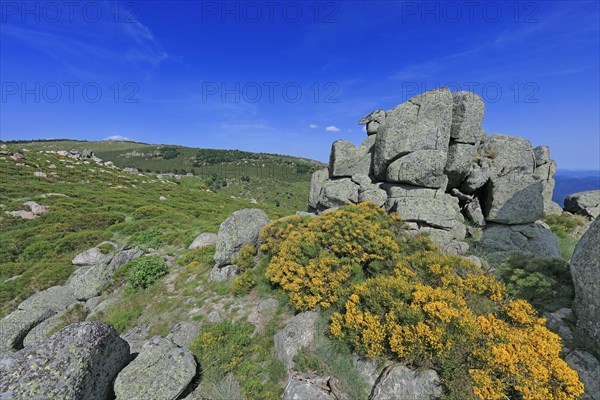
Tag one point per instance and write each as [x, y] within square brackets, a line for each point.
[95, 203]
[564, 227]
[545, 282]
[144, 272]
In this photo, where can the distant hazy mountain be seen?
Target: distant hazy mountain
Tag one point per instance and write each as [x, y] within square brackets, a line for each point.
[573, 181]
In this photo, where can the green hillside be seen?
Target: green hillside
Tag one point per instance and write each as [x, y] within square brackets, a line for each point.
[272, 179]
[99, 204]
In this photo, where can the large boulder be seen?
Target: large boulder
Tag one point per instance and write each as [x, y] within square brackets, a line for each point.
[508, 154]
[300, 332]
[545, 173]
[305, 386]
[95, 255]
[588, 368]
[585, 270]
[461, 157]
[531, 239]
[584, 203]
[16, 325]
[440, 216]
[336, 193]
[241, 228]
[420, 168]
[373, 121]
[400, 382]
[162, 370]
[347, 160]
[316, 185]
[513, 199]
[55, 298]
[203, 240]
[467, 116]
[421, 123]
[79, 362]
[88, 281]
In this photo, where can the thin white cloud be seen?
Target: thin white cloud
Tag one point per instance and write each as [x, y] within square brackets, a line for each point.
[332, 128]
[313, 126]
[116, 138]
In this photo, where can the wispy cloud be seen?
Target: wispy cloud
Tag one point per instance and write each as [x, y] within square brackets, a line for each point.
[116, 138]
[332, 128]
[313, 126]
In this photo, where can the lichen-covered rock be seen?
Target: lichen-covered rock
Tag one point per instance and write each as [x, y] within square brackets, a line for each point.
[337, 193]
[545, 173]
[88, 281]
[420, 168]
[584, 203]
[136, 337]
[184, 333]
[316, 185]
[56, 298]
[585, 270]
[347, 160]
[95, 256]
[531, 239]
[461, 157]
[508, 154]
[305, 386]
[513, 199]
[79, 362]
[224, 273]
[203, 240]
[400, 382]
[162, 370]
[588, 368]
[467, 115]
[16, 325]
[373, 121]
[300, 332]
[241, 228]
[367, 368]
[474, 213]
[421, 123]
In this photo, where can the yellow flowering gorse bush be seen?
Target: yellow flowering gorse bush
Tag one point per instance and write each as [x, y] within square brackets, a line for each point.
[397, 296]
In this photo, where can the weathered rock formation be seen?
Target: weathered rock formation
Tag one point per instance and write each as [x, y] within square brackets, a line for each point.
[430, 161]
[584, 203]
[585, 270]
[78, 363]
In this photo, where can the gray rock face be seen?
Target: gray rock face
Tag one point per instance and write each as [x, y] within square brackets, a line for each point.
[367, 368]
[532, 239]
[400, 382]
[421, 123]
[316, 185]
[584, 203]
[420, 168]
[304, 386]
[585, 270]
[241, 228]
[88, 281]
[373, 121]
[16, 325]
[136, 337]
[467, 116]
[78, 363]
[338, 193]
[431, 144]
[94, 256]
[184, 333]
[588, 368]
[225, 273]
[514, 199]
[460, 158]
[299, 333]
[56, 298]
[441, 213]
[203, 240]
[162, 370]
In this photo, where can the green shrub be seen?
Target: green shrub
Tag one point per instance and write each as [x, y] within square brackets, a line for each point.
[145, 271]
[305, 360]
[37, 251]
[150, 238]
[244, 283]
[564, 224]
[545, 282]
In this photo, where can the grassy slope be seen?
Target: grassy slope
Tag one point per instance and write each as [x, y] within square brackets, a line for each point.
[102, 204]
[267, 178]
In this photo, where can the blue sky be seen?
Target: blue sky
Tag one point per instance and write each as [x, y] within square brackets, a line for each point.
[292, 77]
